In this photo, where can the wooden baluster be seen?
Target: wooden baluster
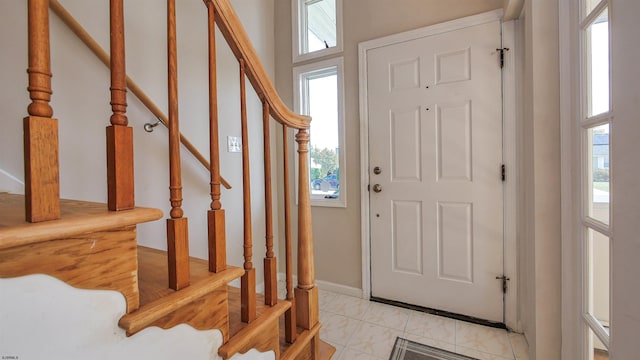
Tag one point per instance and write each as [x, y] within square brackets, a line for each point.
[306, 292]
[215, 216]
[41, 170]
[270, 266]
[177, 230]
[120, 182]
[290, 316]
[248, 281]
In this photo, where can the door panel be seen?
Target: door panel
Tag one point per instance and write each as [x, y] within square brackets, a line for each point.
[435, 130]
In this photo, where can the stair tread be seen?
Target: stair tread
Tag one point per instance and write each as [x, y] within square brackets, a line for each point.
[250, 331]
[157, 300]
[77, 217]
[153, 273]
[293, 351]
[235, 323]
[326, 350]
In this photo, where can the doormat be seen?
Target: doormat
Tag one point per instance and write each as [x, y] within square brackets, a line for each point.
[408, 350]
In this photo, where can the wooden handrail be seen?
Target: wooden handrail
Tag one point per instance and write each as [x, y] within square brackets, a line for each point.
[93, 45]
[238, 40]
[306, 293]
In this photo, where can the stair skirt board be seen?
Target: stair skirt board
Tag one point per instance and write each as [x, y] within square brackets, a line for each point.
[70, 323]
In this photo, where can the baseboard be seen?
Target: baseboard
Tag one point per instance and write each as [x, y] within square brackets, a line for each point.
[329, 286]
[339, 288]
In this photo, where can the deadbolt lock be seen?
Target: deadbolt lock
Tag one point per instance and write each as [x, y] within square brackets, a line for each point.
[377, 170]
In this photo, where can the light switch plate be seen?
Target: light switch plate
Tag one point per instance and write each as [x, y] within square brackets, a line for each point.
[234, 144]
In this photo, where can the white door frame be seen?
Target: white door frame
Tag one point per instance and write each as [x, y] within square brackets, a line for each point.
[573, 328]
[509, 147]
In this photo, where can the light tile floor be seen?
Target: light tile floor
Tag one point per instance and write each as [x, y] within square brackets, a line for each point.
[364, 330]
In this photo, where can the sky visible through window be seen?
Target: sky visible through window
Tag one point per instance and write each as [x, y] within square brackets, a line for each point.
[599, 72]
[323, 108]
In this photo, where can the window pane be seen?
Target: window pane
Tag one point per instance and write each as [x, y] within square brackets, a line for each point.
[324, 144]
[598, 247]
[597, 349]
[589, 5]
[321, 25]
[598, 179]
[597, 48]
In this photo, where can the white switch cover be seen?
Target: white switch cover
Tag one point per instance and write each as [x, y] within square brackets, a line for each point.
[234, 144]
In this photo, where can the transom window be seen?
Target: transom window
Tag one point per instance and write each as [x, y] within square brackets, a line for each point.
[317, 28]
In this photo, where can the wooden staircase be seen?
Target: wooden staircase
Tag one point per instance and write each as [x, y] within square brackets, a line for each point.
[95, 246]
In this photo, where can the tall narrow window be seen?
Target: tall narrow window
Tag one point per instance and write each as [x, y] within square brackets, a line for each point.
[319, 94]
[596, 117]
[317, 28]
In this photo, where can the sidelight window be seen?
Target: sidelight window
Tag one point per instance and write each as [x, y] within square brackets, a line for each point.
[319, 93]
[596, 119]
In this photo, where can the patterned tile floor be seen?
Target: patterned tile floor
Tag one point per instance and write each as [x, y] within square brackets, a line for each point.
[363, 330]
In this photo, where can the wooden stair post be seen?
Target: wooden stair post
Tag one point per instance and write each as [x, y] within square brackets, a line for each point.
[248, 280]
[306, 292]
[119, 135]
[215, 216]
[177, 230]
[290, 316]
[270, 262]
[41, 170]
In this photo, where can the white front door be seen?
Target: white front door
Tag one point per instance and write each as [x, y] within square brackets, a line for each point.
[435, 156]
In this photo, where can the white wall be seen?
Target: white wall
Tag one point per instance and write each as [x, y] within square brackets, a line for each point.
[54, 306]
[50, 303]
[81, 103]
[625, 143]
[540, 177]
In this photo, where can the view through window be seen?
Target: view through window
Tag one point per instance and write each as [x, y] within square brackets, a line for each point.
[319, 95]
[595, 124]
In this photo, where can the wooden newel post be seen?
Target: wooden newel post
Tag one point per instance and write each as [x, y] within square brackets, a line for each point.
[119, 135]
[306, 293]
[42, 179]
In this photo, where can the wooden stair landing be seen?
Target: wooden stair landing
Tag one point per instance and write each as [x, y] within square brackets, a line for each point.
[89, 247]
[77, 217]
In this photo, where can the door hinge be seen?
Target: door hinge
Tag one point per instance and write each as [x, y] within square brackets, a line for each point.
[501, 51]
[503, 172]
[504, 279]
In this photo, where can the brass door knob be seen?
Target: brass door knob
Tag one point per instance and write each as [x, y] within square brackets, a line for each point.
[377, 188]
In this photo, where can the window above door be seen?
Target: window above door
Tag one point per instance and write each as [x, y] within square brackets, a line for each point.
[317, 28]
